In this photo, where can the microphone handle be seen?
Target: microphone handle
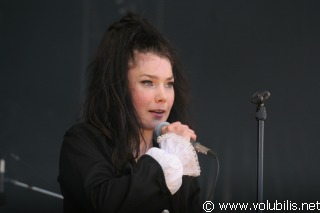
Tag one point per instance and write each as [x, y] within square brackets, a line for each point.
[204, 150]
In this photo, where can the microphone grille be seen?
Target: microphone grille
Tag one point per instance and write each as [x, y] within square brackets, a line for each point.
[157, 130]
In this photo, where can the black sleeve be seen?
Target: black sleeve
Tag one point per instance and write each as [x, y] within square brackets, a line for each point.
[187, 198]
[89, 184]
[193, 198]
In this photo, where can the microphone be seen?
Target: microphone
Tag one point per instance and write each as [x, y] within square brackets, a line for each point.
[260, 98]
[2, 171]
[197, 146]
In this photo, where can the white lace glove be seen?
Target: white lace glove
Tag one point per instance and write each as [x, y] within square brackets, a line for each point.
[171, 166]
[183, 149]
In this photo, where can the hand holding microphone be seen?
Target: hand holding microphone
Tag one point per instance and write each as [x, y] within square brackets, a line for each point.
[165, 128]
[184, 131]
[179, 129]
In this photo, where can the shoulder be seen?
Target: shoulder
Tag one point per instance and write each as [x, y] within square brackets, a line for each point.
[85, 135]
[84, 128]
[84, 131]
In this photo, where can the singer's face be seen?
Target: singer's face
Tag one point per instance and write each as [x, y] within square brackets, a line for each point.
[151, 84]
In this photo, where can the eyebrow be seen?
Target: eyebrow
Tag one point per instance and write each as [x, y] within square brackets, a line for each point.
[155, 77]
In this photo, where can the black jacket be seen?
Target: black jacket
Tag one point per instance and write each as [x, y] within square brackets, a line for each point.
[89, 184]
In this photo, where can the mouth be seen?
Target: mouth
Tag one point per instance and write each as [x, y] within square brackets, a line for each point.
[158, 113]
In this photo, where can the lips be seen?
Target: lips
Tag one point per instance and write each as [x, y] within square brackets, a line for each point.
[158, 113]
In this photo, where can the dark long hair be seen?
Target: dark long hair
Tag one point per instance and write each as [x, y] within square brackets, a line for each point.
[108, 104]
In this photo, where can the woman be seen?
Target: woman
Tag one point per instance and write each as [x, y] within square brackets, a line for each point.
[110, 162]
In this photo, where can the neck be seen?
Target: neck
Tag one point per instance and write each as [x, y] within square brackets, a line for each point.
[146, 141]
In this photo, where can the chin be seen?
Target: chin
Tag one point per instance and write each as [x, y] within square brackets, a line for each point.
[151, 124]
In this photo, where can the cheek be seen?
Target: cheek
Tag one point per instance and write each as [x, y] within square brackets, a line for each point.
[171, 100]
[139, 99]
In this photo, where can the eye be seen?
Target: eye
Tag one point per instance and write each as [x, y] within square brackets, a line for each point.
[147, 83]
[170, 84]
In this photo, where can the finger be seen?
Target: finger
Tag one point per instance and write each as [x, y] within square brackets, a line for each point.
[170, 127]
[193, 137]
[184, 131]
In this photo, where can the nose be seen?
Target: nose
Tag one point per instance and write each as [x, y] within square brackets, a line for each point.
[161, 95]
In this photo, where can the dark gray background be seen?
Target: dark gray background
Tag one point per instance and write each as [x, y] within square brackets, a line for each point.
[230, 50]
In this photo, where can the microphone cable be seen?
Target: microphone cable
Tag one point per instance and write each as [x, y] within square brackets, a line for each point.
[210, 197]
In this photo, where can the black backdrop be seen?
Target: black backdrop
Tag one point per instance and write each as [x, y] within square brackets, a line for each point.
[230, 50]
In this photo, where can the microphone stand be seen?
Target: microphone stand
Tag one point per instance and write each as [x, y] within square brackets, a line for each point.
[33, 188]
[259, 99]
[3, 180]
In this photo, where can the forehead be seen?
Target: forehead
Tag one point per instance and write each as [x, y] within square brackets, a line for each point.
[145, 56]
[150, 62]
